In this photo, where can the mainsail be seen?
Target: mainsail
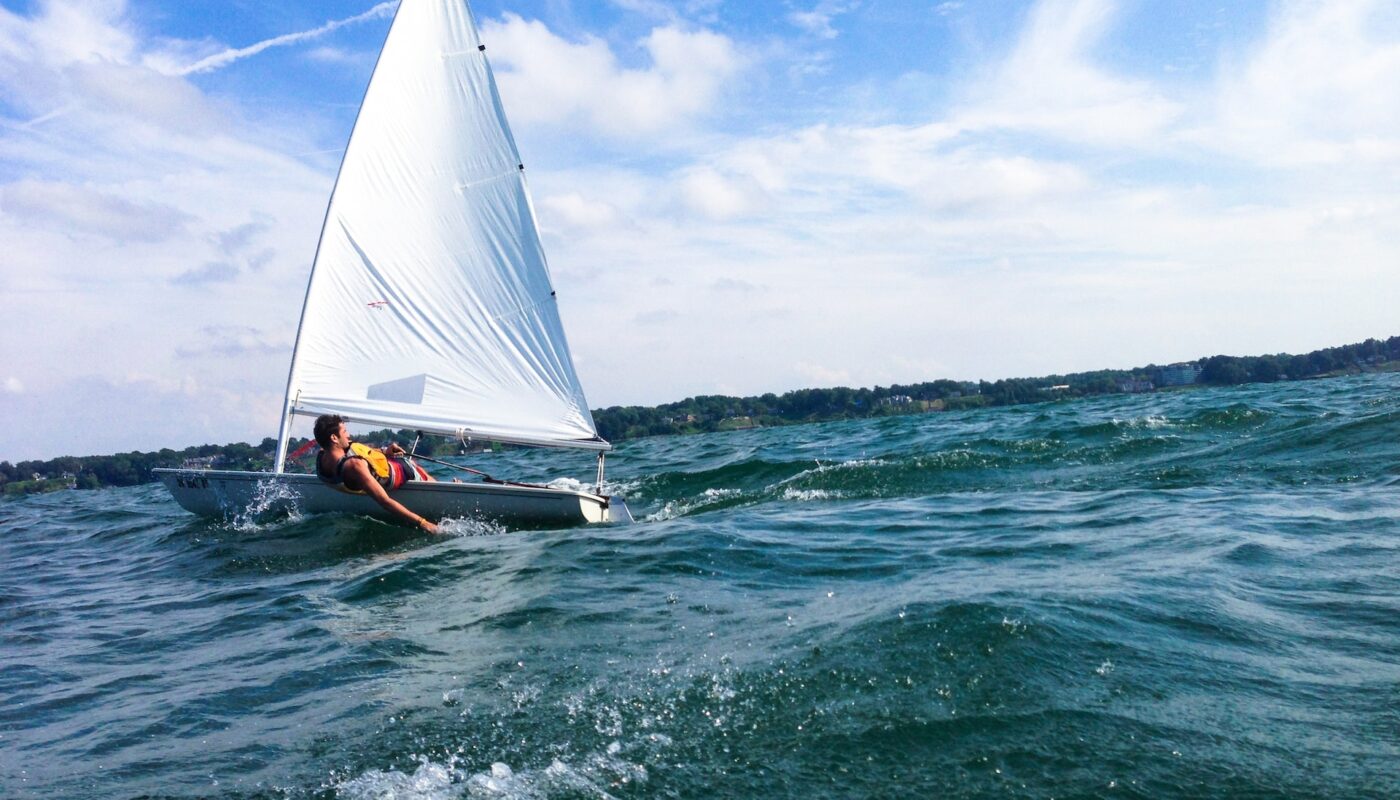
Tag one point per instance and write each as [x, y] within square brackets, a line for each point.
[430, 305]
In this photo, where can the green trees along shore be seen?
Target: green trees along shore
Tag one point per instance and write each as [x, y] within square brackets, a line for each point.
[712, 413]
[716, 413]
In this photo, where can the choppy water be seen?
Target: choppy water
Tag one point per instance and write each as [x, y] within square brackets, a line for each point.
[1193, 594]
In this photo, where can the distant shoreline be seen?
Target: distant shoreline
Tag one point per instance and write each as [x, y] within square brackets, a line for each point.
[706, 414]
[710, 413]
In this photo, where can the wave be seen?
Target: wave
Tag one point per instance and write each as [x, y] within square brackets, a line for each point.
[1173, 442]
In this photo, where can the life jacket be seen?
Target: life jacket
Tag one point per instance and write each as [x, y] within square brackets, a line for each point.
[390, 472]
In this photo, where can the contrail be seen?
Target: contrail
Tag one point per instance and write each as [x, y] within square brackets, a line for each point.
[221, 60]
[40, 120]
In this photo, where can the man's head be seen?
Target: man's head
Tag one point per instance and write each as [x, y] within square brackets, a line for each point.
[327, 425]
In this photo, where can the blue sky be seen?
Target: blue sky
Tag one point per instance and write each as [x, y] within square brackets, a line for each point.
[736, 197]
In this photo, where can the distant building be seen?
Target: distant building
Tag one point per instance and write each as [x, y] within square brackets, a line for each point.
[203, 462]
[1135, 386]
[1178, 375]
[897, 400]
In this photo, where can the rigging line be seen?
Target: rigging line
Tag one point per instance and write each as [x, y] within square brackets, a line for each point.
[485, 477]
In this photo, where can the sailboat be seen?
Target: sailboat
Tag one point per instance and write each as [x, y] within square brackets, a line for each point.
[429, 305]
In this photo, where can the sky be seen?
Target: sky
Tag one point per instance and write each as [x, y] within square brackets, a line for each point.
[736, 196]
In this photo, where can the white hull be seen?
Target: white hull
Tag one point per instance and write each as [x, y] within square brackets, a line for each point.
[216, 493]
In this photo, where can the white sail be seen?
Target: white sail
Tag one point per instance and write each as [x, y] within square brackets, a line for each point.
[430, 304]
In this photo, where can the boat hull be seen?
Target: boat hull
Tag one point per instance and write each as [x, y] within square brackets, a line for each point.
[232, 494]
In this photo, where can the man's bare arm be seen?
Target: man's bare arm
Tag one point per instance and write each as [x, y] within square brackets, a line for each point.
[359, 470]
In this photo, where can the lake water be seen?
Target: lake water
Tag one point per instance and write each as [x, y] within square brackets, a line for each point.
[1189, 594]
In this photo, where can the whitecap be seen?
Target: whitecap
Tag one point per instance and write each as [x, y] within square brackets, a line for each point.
[269, 498]
[431, 781]
[609, 488]
[808, 495]
[680, 508]
[467, 526]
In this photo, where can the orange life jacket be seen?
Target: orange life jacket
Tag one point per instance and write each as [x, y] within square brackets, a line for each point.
[390, 472]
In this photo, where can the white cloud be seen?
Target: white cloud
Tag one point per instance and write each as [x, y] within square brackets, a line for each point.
[872, 170]
[1051, 84]
[13, 385]
[67, 32]
[578, 212]
[823, 376]
[241, 237]
[734, 285]
[79, 210]
[1316, 91]
[212, 272]
[232, 341]
[672, 11]
[547, 79]
[817, 20]
[1304, 95]
[716, 196]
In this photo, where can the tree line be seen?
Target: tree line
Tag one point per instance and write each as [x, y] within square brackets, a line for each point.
[126, 469]
[707, 413]
[715, 412]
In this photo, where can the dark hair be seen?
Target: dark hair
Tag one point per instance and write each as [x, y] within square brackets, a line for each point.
[327, 425]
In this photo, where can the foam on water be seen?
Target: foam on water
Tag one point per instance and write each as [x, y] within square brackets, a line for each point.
[430, 781]
[467, 526]
[709, 498]
[809, 495]
[610, 487]
[1149, 422]
[274, 504]
[596, 775]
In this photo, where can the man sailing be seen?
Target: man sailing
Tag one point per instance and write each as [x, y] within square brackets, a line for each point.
[364, 470]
